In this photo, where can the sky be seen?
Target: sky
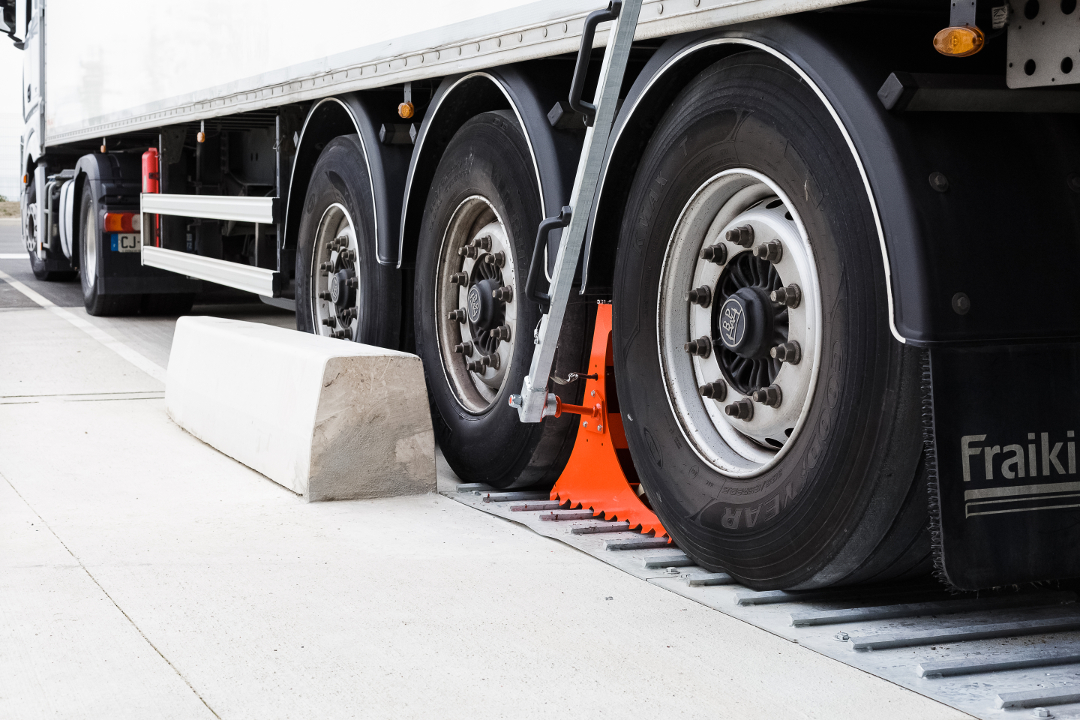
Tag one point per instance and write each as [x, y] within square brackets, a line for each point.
[10, 120]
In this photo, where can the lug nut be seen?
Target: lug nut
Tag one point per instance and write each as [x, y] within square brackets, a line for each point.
[714, 391]
[741, 409]
[354, 283]
[326, 266]
[492, 361]
[715, 254]
[324, 296]
[484, 243]
[485, 361]
[459, 278]
[700, 296]
[464, 348]
[788, 352]
[496, 258]
[339, 334]
[458, 315]
[771, 251]
[741, 236]
[329, 322]
[789, 296]
[469, 251]
[770, 396]
[501, 333]
[503, 294]
[702, 347]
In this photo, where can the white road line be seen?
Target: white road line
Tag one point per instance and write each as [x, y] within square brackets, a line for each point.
[147, 366]
[13, 256]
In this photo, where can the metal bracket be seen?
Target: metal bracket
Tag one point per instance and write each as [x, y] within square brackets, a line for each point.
[531, 404]
[962, 13]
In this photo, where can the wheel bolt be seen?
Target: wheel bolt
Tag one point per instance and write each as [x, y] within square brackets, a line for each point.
[770, 396]
[714, 391]
[700, 296]
[324, 296]
[503, 294]
[354, 283]
[485, 361]
[771, 251]
[788, 352]
[469, 251]
[715, 254]
[741, 409]
[501, 333]
[492, 361]
[702, 347]
[484, 243]
[741, 236]
[326, 266]
[459, 278]
[458, 315]
[464, 348]
[339, 334]
[496, 258]
[329, 322]
[789, 296]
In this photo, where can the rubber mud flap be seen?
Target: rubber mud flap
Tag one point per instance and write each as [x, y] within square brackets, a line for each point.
[1003, 423]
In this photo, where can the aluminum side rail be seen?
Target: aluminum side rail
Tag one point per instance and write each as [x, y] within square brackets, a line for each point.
[258, 210]
[533, 402]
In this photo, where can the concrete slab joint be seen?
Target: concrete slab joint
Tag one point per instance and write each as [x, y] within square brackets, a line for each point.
[328, 419]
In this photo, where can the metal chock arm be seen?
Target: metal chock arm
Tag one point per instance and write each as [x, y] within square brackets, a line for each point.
[534, 401]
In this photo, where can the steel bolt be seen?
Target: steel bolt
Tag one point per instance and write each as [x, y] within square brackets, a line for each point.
[702, 347]
[491, 361]
[464, 348]
[496, 258]
[939, 182]
[354, 283]
[789, 352]
[459, 278]
[477, 366]
[329, 322]
[789, 296]
[458, 315]
[741, 236]
[327, 266]
[484, 243]
[700, 296]
[469, 251]
[770, 251]
[501, 333]
[715, 254]
[741, 409]
[770, 396]
[714, 391]
[599, 428]
[961, 303]
[503, 294]
[324, 296]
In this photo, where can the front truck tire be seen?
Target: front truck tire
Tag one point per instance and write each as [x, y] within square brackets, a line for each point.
[92, 250]
[341, 289]
[776, 430]
[473, 324]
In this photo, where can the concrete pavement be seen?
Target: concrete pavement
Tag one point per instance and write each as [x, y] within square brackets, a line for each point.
[144, 575]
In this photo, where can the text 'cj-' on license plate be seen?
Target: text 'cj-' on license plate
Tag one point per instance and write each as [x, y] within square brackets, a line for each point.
[126, 242]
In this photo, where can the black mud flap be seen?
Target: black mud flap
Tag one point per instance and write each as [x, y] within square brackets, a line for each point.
[1001, 430]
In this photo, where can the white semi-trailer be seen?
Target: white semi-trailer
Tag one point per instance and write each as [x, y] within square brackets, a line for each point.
[839, 242]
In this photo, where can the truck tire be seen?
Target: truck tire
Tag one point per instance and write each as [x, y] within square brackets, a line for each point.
[38, 266]
[776, 430]
[473, 327]
[341, 289]
[91, 255]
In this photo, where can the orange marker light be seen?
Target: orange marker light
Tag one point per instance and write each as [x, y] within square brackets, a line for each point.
[959, 41]
[122, 222]
[406, 110]
[25, 179]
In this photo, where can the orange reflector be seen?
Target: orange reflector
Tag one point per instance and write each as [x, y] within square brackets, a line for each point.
[25, 179]
[122, 222]
[406, 110]
[959, 41]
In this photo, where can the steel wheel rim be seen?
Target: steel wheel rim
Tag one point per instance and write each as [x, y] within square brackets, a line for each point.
[335, 276]
[488, 265]
[733, 446]
[90, 261]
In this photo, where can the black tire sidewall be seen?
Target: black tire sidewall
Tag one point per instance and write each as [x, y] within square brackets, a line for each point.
[341, 176]
[785, 526]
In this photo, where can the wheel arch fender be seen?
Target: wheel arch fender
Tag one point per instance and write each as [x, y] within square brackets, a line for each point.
[113, 179]
[523, 91]
[821, 67]
[387, 166]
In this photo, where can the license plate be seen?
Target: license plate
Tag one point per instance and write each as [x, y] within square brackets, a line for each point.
[126, 242]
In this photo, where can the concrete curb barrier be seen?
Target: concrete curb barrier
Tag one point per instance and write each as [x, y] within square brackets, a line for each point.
[328, 419]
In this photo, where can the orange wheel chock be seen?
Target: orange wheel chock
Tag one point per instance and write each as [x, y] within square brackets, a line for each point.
[594, 477]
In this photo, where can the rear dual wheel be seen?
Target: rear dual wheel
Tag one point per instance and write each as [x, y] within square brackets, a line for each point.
[773, 419]
[474, 327]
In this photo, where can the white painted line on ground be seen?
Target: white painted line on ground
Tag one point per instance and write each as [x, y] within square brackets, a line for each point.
[147, 366]
[13, 256]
